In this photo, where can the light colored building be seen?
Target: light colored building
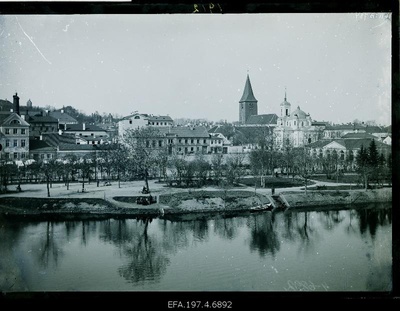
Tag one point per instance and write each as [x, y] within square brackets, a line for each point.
[86, 132]
[296, 128]
[14, 134]
[345, 150]
[139, 120]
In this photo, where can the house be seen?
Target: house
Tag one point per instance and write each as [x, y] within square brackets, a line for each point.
[84, 131]
[63, 118]
[42, 123]
[345, 150]
[14, 134]
[138, 120]
[186, 140]
[41, 150]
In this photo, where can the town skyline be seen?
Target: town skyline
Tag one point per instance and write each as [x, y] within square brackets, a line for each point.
[195, 67]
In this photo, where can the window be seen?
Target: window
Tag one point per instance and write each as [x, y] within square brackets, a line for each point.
[42, 156]
[15, 131]
[153, 143]
[22, 142]
[7, 143]
[15, 143]
[179, 149]
[147, 144]
[186, 141]
[7, 131]
[204, 141]
[160, 143]
[191, 148]
[15, 155]
[23, 131]
[137, 117]
[130, 121]
[7, 155]
[294, 123]
[198, 141]
[22, 155]
[170, 141]
[48, 156]
[192, 141]
[179, 140]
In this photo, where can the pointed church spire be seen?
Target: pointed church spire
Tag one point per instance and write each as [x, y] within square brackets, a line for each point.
[285, 93]
[248, 95]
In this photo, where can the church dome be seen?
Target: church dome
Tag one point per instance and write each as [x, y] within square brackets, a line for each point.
[298, 113]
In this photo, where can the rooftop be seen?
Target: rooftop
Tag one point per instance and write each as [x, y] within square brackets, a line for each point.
[263, 119]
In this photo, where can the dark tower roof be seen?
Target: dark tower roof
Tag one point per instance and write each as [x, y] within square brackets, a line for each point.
[248, 95]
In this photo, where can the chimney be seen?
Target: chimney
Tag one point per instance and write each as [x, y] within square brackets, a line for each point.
[16, 103]
[83, 126]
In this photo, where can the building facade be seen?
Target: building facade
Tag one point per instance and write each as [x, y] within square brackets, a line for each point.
[296, 129]
[138, 120]
[14, 134]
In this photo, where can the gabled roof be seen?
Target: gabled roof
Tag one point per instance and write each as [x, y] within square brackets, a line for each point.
[54, 139]
[6, 117]
[160, 118]
[248, 95]
[5, 105]
[358, 135]
[345, 127]
[41, 119]
[88, 128]
[349, 144]
[62, 117]
[263, 119]
[40, 145]
[185, 132]
[375, 129]
[70, 147]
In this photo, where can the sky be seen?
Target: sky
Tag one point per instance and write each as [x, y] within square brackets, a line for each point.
[335, 66]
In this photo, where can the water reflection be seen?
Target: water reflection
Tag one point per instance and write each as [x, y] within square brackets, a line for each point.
[146, 258]
[264, 237]
[146, 248]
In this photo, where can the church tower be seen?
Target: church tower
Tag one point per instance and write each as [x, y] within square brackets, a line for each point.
[285, 107]
[248, 103]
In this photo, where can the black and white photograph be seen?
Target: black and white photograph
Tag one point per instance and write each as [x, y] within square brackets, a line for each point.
[198, 151]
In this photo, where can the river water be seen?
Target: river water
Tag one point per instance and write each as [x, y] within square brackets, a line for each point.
[342, 250]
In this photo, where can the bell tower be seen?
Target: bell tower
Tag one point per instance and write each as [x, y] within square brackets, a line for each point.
[248, 103]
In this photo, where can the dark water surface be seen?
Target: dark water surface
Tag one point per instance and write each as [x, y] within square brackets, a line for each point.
[345, 250]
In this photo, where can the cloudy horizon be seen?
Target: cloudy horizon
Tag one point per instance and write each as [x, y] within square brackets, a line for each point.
[337, 67]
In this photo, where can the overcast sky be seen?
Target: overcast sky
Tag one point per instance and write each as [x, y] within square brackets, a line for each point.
[337, 67]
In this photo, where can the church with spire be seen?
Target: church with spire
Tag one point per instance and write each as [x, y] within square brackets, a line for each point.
[291, 128]
[248, 109]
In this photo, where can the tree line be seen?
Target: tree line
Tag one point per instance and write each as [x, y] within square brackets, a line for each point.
[139, 157]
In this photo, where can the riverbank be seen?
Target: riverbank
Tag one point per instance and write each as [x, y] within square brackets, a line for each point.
[120, 202]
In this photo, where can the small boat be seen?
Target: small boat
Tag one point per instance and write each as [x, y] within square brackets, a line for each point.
[260, 208]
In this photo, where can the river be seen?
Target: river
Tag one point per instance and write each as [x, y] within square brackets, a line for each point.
[336, 250]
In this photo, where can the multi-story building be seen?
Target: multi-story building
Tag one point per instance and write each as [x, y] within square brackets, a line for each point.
[139, 120]
[63, 118]
[344, 150]
[296, 128]
[86, 133]
[42, 123]
[14, 134]
[186, 140]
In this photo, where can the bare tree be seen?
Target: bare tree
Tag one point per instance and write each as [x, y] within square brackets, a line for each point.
[143, 146]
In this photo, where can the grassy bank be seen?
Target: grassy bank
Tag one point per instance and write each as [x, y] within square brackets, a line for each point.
[335, 197]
